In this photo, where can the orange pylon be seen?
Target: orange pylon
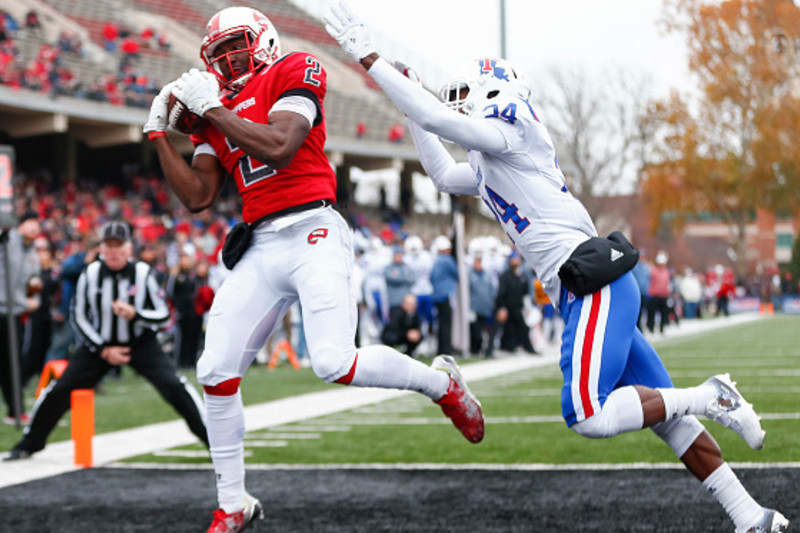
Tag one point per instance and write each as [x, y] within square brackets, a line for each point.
[83, 425]
[52, 370]
[283, 347]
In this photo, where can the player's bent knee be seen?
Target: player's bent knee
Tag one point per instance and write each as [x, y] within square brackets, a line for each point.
[595, 427]
[205, 369]
[679, 433]
[621, 413]
[333, 365]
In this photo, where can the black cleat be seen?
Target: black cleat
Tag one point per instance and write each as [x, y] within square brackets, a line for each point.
[16, 454]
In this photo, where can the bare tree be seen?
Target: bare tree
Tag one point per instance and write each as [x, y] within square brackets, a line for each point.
[596, 124]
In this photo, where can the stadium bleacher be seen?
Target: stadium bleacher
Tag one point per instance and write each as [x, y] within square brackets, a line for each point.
[186, 21]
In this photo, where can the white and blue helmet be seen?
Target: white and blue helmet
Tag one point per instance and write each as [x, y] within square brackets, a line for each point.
[484, 79]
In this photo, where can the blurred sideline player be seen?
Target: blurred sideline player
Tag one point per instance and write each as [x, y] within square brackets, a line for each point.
[421, 261]
[614, 381]
[548, 310]
[267, 130]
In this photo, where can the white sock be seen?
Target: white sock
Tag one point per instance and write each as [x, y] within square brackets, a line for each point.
[689, 401]
[225, 424]
[729, 492]
[385, 367]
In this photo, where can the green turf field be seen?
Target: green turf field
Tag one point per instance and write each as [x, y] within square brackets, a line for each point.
[522, 412]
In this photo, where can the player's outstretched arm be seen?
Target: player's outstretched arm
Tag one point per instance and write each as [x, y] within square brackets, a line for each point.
[447, 175]
[413, 100]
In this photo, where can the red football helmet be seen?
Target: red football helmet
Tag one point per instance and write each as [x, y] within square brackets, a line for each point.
[263, 44]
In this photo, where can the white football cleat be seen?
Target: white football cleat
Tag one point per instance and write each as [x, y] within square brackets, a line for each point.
[728, 408]
[771, 522]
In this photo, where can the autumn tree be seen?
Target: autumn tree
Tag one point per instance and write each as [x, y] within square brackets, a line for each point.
[794, 265]
[735, 145]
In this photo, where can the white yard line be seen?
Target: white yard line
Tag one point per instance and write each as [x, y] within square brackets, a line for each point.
[57, 458]
[523, 467]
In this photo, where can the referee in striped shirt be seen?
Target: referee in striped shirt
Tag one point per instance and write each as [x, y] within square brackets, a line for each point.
[117, 308]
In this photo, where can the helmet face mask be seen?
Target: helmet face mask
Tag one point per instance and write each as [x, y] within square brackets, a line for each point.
[261, 44]
[485, 79]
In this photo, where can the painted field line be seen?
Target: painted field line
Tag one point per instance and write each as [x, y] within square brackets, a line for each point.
[775, 373]
[194, 454]
[521, 467]
[285, 436]
[552, 393]
[309, 428]
[534, 419]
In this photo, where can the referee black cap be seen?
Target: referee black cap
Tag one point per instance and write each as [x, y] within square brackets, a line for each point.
[115, 230]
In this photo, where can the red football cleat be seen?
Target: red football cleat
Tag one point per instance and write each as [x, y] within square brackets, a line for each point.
[238, 521]
[458, 403]
[24, 419]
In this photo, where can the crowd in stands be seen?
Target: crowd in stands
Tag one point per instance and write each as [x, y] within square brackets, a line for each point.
[123, 39]
[47, 73]
[130, 85]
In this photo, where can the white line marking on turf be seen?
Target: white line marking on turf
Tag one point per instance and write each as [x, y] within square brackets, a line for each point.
[534, 419]
[187, 453]
[771, 390]
[266, 443]
[780, 416]
[760, 357]
[733, 362]
[518, 393]
[381, 409]
[523, 467]
[320, 427]
[286, 436]
[774, 373]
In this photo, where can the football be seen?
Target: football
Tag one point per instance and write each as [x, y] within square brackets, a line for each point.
[181, 119]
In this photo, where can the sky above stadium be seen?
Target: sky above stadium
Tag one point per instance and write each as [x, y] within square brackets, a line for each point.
[582, 34]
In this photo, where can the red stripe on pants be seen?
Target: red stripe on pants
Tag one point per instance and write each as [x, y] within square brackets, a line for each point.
[346, 379]
[586, 355]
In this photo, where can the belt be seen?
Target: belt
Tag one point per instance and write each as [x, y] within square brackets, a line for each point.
[291, 210]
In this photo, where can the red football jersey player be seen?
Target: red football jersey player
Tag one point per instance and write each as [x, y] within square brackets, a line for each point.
[267, 130]
[265, 189]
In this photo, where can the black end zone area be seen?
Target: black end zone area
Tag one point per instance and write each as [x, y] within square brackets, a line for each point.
[122, 500]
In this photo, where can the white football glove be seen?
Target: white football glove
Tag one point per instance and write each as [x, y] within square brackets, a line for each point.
[157, 120]
[347, 28]
[198, 90]
[407, 71]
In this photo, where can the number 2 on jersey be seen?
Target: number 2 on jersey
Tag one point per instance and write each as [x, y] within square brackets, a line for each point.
[505, 211]
[252, 170]
[312, 72]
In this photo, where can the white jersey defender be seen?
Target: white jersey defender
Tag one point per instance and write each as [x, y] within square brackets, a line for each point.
[525, 189]
[614, 381]
[512, 160]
